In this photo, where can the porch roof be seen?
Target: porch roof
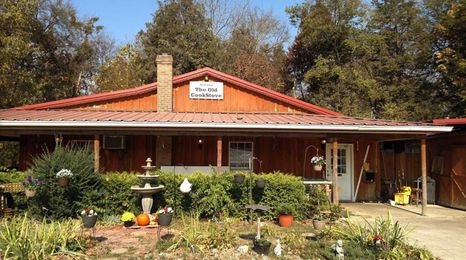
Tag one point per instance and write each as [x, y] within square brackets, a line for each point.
[89, 119]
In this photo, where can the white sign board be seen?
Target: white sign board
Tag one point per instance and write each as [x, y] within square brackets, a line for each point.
[205, 90]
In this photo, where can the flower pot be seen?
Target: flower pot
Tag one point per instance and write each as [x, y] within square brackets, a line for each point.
[285, 220]
[63, 182]
[128, 223]
[239, 178]
[89, 221]
[260, 183]
[30, 193]
[263, 248]
[165, 219]
[317, 167]
[319, 224]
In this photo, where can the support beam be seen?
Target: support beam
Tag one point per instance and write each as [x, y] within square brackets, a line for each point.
[424, 175]
[336, 197]
[219, 154]
[96, 153]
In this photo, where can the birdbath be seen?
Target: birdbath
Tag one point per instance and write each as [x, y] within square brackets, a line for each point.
[261, 208]
[147, 190]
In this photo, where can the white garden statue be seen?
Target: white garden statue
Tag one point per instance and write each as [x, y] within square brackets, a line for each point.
[278, 249]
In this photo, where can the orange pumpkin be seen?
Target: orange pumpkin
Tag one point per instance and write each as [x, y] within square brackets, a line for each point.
[143, 219]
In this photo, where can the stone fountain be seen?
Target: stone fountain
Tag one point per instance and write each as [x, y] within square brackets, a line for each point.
[147, 190]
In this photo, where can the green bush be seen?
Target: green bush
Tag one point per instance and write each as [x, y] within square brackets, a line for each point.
[23, 238]
[84, 187]
[115, 196]
[218, 194]
[13, 176]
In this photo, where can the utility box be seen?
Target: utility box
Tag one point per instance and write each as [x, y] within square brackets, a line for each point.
[430, 189]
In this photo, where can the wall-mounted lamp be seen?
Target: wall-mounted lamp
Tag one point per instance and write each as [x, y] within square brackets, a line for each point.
[200, 141]
[324, 141]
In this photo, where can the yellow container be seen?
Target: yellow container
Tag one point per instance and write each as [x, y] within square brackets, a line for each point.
[401, 198]
[406, 190]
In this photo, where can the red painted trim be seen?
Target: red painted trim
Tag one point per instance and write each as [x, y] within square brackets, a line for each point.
[450, 121]
[179, 79]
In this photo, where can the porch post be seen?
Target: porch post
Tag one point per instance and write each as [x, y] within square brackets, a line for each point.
[96, 153]
[219, 154]
[424, 175]
[335, 172]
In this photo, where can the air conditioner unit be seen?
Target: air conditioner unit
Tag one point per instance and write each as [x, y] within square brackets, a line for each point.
[114, 142]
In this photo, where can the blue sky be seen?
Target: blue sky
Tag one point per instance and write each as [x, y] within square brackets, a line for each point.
[123, 19]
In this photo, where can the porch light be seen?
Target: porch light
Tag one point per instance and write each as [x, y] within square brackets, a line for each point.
[200, 141]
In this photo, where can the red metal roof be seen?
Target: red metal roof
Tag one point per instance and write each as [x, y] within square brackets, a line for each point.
[64, 103]
[449, 121]
[188, 117]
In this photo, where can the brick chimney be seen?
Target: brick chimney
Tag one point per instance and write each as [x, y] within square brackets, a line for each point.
[164, 83]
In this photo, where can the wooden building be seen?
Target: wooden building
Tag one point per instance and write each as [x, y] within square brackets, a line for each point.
[209, 118]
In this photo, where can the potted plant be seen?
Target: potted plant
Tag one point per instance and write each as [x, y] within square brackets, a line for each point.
[64, 176]
[239, 178]
[260, 183]
[285, 214]
[89, 217]
[319, 221]
[318, 161]
[128, 219]
[30, 186]
[164, 216]
[261, 246]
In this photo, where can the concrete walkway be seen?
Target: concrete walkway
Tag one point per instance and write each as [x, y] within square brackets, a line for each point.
[442, 231]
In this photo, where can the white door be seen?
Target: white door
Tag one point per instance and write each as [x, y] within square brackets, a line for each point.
[345, 169]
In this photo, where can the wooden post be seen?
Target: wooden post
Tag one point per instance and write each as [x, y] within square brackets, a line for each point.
[219, 154]
[424, 175]
[335, 172]
[96, 153]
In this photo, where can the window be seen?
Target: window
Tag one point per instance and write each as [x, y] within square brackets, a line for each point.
[240, 155]
[114, 142]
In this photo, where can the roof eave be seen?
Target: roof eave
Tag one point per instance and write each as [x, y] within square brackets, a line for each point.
[333, 128]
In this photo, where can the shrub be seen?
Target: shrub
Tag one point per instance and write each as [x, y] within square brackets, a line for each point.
[13, 176]
[218, 194]
[285, 209]
[82, 191]
[116, 195]
[23, 238]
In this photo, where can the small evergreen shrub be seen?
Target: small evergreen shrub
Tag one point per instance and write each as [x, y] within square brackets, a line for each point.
[12, 176]
[82, 191]
[218, 194]
[115, 195]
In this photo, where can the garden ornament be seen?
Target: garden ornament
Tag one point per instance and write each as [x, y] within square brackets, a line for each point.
[243, 249]
[338, 249]
[278, 249]
[185, 186]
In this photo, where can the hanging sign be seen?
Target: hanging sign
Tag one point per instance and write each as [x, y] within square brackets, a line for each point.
[205, 90]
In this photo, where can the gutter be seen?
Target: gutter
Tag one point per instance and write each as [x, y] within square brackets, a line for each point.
[340, 128]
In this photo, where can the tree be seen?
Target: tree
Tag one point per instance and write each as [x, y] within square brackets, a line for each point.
[180, 28]
[121, 72]
[377, 65]
[45, 51]
[254, 50]
[449, 28]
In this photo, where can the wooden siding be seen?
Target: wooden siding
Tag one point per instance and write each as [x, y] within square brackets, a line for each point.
[278, 154]
[451, 182]
[285, 154]
[137, 149]
[141, 103]
[236, 99]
